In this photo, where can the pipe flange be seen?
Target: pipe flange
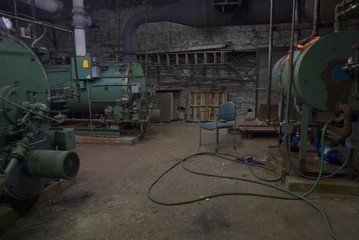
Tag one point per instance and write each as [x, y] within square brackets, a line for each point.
[81, 21]
[78, 11]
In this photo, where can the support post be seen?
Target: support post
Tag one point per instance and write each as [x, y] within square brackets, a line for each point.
[304, 138]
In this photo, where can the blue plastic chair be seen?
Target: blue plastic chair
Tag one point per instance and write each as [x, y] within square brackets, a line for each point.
[226, 112]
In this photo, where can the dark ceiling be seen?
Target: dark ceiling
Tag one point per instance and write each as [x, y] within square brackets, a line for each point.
[65, 13]
[8, 5]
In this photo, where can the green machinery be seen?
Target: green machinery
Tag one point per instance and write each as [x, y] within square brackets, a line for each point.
[325, 78]
[112, 94]
[31, 155]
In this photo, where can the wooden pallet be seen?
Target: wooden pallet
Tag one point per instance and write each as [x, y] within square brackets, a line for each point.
[203, 106]
[250, 131]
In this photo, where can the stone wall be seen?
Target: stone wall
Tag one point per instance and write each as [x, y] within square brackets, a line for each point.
[106, 44]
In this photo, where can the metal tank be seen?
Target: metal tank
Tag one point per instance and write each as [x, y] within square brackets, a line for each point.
[114, 92]
[111, 94]
[325, 73]
[30, 154]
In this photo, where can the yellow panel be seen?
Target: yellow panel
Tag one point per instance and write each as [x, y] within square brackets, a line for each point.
[85, 63]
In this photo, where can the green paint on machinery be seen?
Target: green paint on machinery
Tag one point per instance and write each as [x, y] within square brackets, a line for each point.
[24, 93]
[323, 77]
[114, 92]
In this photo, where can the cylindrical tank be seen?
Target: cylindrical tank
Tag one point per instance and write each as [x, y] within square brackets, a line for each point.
[322, 76]
[23, 79]
[53, 164]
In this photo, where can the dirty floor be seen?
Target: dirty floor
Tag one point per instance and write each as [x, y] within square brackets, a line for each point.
[108, 200]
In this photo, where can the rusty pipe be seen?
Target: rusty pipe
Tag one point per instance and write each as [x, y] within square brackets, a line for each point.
[346, 130]
[315, 30]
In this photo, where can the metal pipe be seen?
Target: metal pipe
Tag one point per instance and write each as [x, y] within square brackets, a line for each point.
[119, 3]
[80, 37]
[15, 11]
[201, 13]
[298, 21]
[291, 65]
[336, 16]
[270, 61]
[315, 30]
[257, 83]
[33, 44]
[339, 13]
[289, 94]
[346, 130]
[38, 23]
[33, 15]
[80, 21]
[356, 71]
[46, 5]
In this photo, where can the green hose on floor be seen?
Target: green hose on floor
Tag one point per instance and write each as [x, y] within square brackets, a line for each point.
[230, 157]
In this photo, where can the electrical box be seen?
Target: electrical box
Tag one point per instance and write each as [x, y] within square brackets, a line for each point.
[95, 72]
[83, 65]
[135, 88]
[25, 32]
[65, 139]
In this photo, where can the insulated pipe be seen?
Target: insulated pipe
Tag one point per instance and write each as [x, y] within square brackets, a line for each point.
[80, 20]
[46, 5]
[80, 42]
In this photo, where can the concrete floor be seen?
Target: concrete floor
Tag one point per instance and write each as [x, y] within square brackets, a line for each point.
[109, 199]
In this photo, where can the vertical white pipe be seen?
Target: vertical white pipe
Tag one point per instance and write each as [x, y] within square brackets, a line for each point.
[80, 41]
[80, 35]
[78, 4]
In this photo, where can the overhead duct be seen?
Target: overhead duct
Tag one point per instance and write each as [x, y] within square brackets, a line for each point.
[199, 13]
[205, 13]
[46, 5]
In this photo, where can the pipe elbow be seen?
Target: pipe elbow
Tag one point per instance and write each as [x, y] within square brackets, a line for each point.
[345, 108]
[346, 130]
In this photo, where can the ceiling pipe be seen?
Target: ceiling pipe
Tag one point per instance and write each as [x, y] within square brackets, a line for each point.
[46, 5]
[200, 14]
[315, 30]
[340, 11]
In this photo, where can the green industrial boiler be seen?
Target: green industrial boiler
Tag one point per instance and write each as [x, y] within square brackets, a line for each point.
[112, 94]
[325, 79]
[324, 73]
[31, 154]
